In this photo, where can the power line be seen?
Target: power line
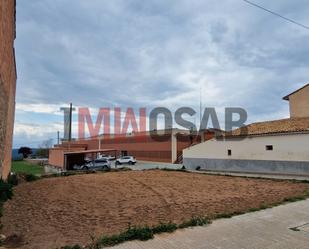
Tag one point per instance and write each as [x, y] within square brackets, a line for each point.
[276, 14]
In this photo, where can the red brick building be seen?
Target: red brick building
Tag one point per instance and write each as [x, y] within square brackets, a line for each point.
[142, 145]
[7, 83]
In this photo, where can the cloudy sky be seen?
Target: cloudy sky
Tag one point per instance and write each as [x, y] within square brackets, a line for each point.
[129, 53]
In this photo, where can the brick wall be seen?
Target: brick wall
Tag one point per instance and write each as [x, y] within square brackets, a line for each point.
[7, 83]
[142, 147]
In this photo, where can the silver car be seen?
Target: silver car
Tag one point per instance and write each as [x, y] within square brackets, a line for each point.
[126, 160]
[97, 164]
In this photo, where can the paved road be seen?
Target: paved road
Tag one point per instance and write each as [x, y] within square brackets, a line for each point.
[270, 176]
[141, 165]
[267, 229]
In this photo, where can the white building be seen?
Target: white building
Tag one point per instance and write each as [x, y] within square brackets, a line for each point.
[280, 146]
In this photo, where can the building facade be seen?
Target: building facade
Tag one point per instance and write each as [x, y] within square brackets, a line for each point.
[278, 147]
[142, 145]
[298, 101]
[7, 83]
[284, 152]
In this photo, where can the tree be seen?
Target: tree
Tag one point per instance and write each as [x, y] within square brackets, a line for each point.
[26, 151]
[41, 153]
[43, 150]
[47, 144]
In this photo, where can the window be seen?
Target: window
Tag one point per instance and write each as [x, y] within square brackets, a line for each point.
[269, 147]
[229, 152]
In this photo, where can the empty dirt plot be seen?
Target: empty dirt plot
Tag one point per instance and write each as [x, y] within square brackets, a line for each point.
[54, 212]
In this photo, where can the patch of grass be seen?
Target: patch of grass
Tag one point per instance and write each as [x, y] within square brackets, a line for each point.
[70, 173]
[300, 181]
[133, 233]
[140, 233]
[26, 168]
[31, 178]
[120, 169]
[146, 233]
[72, 247]
[83, 172]
[229, 215]
[164, 228]
[251, 210]
[224, 215]
[295, 198]
[195, 221]
[177, 170]
[264, 206]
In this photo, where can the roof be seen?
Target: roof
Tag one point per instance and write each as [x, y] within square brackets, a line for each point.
[88, 151]
[148, 133]
[287, 97]
[72, 144]
[282, 126]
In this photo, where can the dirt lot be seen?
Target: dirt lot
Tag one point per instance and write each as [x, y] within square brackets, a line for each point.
[57, 211]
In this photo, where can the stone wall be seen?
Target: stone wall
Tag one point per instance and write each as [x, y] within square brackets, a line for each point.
[249, 166]
[7, 83]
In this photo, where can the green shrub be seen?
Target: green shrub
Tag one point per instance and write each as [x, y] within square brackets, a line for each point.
[31, 177]
[6, 191]
[72, 247]
[42, 153]
[176, 170]
[164, 228]
[295, 198]
[139, 233]
[133, 233]
[13, 179]
[195, 221]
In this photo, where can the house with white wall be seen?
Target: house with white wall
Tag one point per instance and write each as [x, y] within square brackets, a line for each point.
[279, 147]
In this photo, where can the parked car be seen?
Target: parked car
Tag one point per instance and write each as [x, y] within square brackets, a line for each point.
[126, 160]
[107, 157]
[97, 164]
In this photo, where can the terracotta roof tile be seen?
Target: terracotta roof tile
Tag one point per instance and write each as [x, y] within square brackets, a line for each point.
[290, 125]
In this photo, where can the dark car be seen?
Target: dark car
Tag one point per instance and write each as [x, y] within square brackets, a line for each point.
[96, 164]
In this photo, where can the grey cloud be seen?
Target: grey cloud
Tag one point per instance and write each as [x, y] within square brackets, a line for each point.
[143, 53]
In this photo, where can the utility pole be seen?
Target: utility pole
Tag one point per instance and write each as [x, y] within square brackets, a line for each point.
[200, 105]
[70, 126]
[58, 139]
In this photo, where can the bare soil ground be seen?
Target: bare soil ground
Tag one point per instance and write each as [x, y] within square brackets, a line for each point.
[54, 212]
